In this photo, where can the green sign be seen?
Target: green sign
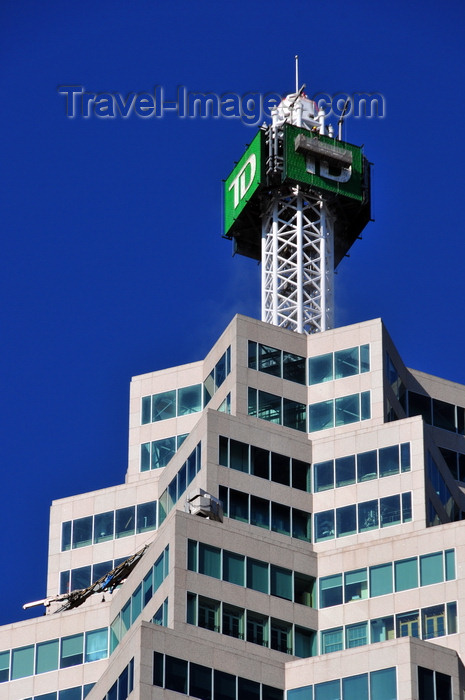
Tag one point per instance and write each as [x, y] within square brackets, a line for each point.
[243, 182]
[324, 162]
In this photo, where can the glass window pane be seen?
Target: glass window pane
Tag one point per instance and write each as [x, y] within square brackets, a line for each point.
[233, 623]
[269, 360]
[406, 507]
[65, 584]
[364, 358]
[331, 640]
[260, 512]
[281, 518]
[146, 409]
[294, 415]
[257, 629]
[345, 470]
[192, 548]
[406, 574]
[346, 521]
[47, 656]
[383, 685]
[365, 405]
[301, 525]
[323, 476]
[330, 591]
[4, 666]
[147, 587]
[280, 469]
[209, 614]
[444, 415]
[233, 568]
[294, 368]
[324, 525]
[162, 452]
[69, 694]
[164, 405]
[321, 416]
[146, 516]
[208, 387]
[347, 409]
[225, 686]
[252, 355]
[426, 683]
[209, 560]
[176, 674]
[301, 478]
[80, 578]
[200, 681]
[96, 645]
[281, 636]
[355, 687]
[304, 642]
[389, 508]
[419, 405]
[408, 624]
[71, 650]
[248, 690]
[356, 635]
[389, 460]
[223, 451]
[182, 480]
[405, 457]
[380, 579]
[239, 456]
[269, 407]
[281, 582]
[22, 662]
[66, 536]
[145, 457]
[346, 363]
[125, 521]
[221, 370]
[238, 505]
[320, 369]
[270, 693]
[303, 589]
[367, 466]
[382, 629]
[355, 585]
[451, 618]
[252, 401]
[104, 526]
[368, 516]
[433, 622]
[260, 462]
[257, 575]
[431, 569]
[303, 693]
[189, 399]
[450, 564]
[136, 603]
[82, 532]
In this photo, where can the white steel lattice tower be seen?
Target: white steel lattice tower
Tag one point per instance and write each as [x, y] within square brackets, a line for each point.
[296, 201]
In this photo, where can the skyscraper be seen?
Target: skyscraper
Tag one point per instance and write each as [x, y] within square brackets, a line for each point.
[289, 526]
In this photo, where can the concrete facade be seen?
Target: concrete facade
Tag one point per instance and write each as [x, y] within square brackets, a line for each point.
[327, 577]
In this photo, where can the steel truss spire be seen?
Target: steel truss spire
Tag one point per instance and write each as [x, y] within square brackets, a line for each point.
[298, 263]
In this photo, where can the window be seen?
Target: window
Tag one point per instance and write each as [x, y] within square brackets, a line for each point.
[367, 466]
[233, 568]
[146, 516]
[433, 685]
[209, 560]
[257, 629]
[346, 521]
[4, 666]
[368, 516]
[356, 635]
[388, 460]
[389, 508]
[260, 512]
[125, 524]
[82, 532]
[331, 640]
[164, 405]
[257, 575]
[323, 475]
[324, 525]
[355, 585]
[382, 629]
[383, 684]
[431, 569]
[345, 470]
[406, 574]
[320, 369]
[281, 582]
[71, 651]
[330, 591]
[233, 621]
[176, 674]
[380, 580]
[96, 645]
[104, 526]
[189, 399]
[208, 614]
[321, 416]
[47, 656]
[408, 624]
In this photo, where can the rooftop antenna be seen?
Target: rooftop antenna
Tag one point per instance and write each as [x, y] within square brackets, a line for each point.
[341, 118]
[296, 73]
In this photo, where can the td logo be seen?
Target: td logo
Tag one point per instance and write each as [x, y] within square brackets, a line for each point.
[244, 179]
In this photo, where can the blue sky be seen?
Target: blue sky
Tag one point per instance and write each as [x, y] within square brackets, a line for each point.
[112, 261]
